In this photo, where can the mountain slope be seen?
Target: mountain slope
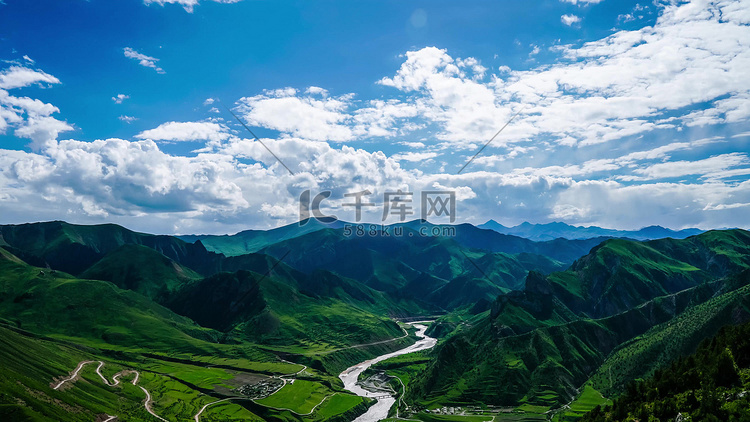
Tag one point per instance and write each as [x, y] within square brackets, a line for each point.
[409, 265]
[141, 269]
[249, 241]
[710, 385]
[626, 298]
[74, 248]
[268, 311]
[49, 302]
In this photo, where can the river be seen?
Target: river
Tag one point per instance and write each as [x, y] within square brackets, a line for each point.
[380, 409]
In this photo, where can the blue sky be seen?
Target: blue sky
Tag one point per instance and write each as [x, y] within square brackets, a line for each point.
[631, 113]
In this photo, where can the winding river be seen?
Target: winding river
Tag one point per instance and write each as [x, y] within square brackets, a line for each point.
[380, 409]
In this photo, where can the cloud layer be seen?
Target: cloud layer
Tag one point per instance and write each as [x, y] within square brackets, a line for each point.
[645, 126]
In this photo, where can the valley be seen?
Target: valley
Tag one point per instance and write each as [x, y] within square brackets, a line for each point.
[102, 323]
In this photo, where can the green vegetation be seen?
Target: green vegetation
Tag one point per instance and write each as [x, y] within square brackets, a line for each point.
[709, 385]
[299, 396]
[585, 402]
[337, 404]
[518, 341]
[617, 314]
[141, 269]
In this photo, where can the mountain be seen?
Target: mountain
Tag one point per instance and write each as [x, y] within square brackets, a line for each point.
[439, 271]
[254, 240]
[470, 236]
[96, 312]
[280, 305]
[550, 231]
[141, 269]
[270, 311]
[615, 315]
[707, 385]
[74, 248]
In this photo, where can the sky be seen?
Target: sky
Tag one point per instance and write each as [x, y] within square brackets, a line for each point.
[621, 114]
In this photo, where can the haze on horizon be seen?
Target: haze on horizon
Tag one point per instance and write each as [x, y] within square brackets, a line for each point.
[632, 113]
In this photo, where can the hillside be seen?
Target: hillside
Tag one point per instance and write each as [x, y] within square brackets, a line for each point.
[426, 268]
[143, 270]
[74, 248]
[708, 385]
[566, 328]
[95, 312]
[249, 241]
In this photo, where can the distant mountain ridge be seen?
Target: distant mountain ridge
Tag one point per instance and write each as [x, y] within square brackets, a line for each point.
[550, 231]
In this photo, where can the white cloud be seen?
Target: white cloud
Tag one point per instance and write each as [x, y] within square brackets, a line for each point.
[582, 2]
[29, 59]
[414, 156]
[143, 60]
[186, 132]
[309, 117]
[718, 207]
[127, 119]
[626, 84]
[188, 5]
[685, 168]
[29, 118]
[42, 130]
[120, 98]
[19, 77]
[570, 20]
[209, 101]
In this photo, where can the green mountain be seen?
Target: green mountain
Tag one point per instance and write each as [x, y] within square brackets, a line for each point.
[74, 248]
[249, 241]
[271, 311]
[437, 270]
[64, 320]
[141, 269]
[607, 316]
[96, 312]
[708, 385]
[521, 330]
[470, 236]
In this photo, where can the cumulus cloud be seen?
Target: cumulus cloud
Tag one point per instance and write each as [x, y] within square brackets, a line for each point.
[314, 117]
[29, 118]
[120, 98]
[626, 84]
[143, 60]
[612, 126]
[570, 20]
[186, 132]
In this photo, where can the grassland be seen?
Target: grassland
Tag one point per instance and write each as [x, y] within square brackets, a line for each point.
[299, 396]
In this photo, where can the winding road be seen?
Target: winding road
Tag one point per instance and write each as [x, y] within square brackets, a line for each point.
[147, 404]
[376, 412]
[115, 381]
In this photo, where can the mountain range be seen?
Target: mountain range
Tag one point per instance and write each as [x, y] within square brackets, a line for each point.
[549, 327]
[549, 231]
